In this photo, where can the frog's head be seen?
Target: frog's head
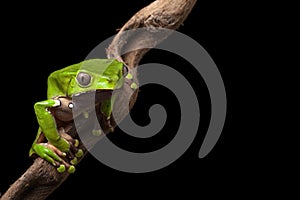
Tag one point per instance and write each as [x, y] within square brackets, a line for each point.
[87, 76]
[97, 74]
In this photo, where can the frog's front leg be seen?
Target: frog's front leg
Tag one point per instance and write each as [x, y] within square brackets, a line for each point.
[48, 125]
[57, 146]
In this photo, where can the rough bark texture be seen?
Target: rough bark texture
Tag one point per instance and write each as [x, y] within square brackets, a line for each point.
[167, 14]
[41, 179]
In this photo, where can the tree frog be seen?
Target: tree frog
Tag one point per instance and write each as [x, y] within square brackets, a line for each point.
[74, 80]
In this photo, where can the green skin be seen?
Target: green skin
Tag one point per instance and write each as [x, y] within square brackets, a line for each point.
[86, 76]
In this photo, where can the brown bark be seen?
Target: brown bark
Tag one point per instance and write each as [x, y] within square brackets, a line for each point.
[41, 178]
[167, 14]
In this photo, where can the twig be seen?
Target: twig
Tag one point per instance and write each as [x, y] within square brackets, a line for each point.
[41, 178]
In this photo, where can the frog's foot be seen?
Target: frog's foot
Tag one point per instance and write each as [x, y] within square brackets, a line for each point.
[74, 152]
[62, 162]
[74, 144]
[54, 156]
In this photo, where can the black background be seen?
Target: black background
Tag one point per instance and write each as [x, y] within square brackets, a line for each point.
[51, 36]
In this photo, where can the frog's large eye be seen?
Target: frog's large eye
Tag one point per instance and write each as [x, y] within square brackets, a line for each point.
[125, 70]
[83, 79]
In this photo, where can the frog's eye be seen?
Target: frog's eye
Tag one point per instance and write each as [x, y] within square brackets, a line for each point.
[83, 79]
[125, 70]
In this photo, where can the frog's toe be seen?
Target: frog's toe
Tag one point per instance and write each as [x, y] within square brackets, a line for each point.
[79, 153]
[46, 153]
[75, 151]
[61, 168]
[74, 161]
[76, 143]
[56, 150]
[71, 169]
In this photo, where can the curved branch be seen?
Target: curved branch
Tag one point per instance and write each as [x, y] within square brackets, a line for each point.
[166, 14]
[41, 178]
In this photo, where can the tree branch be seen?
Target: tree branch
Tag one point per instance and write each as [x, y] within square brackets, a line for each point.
[167, 14]
[41, 178]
